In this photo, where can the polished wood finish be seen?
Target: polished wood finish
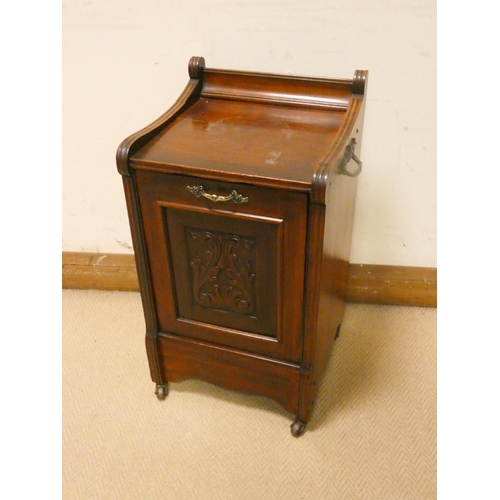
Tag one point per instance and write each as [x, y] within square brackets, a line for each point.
[276, 225]
[230, 368]
[241, 221]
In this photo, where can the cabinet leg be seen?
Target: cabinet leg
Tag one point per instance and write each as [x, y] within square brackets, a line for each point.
[298, 428]
[161, 391]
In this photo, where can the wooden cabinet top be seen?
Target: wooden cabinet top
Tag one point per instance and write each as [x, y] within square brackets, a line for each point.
[276, 130]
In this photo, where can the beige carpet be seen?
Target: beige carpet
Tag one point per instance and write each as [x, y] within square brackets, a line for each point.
[372, 435]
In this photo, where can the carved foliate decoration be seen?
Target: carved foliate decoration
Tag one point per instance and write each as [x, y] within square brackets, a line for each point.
[223, 270]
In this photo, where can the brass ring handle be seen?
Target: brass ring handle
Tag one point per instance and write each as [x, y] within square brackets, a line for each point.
[199, 191]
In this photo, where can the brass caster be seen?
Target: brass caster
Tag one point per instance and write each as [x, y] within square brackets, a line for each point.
[298, 428]
[161, 391]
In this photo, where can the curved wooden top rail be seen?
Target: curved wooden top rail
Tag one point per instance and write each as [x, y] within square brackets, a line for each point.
[354, 116]
[339, 98]
[190, 95]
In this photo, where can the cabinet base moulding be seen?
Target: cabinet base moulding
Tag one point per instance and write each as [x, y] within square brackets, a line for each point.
[369, 284]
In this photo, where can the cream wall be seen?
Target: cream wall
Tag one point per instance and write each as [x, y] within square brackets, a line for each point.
[125, 62]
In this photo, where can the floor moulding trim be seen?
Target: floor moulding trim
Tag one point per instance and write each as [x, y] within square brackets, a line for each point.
[369, 284]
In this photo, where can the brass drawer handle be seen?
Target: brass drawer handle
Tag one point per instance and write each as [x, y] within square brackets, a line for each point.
[199, 191]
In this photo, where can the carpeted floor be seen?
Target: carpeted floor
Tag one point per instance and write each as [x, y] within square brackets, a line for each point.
[372, 435]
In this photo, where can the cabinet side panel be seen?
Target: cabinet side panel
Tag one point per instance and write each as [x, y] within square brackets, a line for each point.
[339, 215]
[329, 243]
[140, 254]
[308, 380]
[339, 218]
[142, 264]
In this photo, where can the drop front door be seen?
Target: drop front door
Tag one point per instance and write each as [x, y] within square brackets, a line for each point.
[226, 272]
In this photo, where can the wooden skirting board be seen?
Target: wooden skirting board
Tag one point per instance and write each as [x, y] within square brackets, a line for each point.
[370, 284]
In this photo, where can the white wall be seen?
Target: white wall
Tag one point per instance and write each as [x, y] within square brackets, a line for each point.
[125, 63]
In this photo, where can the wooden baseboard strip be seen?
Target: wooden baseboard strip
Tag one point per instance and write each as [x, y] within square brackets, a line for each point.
[370, 284]
[93, 271]
[392, 285]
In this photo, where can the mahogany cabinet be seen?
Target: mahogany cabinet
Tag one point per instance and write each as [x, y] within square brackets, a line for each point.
[241, 202]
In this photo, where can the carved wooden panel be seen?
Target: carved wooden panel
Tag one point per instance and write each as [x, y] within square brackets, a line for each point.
[222, 270]
[226, 269]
